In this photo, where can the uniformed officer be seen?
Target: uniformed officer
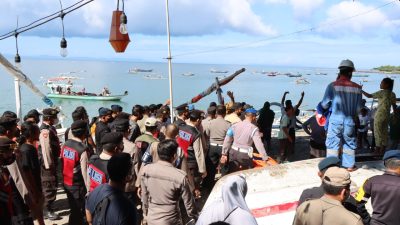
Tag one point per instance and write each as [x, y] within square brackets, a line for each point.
[163, 186]
[102, 127]
[6, 158]
[74, 158]
[122, 125]
[384, 191]
[189, 140]
[97, 171]
[329, 209]
[33, 116]
[239, 141]
[216, 131]
[49, 152]
[183, 114]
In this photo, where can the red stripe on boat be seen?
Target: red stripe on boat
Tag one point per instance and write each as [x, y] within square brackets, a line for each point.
[274, 209]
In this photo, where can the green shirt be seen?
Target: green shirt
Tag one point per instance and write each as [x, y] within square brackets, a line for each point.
[385, 99]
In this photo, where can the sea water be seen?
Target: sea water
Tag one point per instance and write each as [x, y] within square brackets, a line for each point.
[251, 86]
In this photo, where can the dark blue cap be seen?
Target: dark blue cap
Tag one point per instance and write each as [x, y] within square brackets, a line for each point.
[104, 111]
[251, 110]
[328, 162]
[391, 154]
[116, 108]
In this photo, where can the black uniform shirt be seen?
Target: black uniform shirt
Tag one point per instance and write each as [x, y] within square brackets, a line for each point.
[384, 191]
[30, 162]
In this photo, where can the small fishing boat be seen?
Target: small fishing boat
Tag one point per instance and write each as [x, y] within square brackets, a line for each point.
[302, 81]
[188, 74]
[320, 73]
[154, 77]
[63, 87]
[138, 70]
[295, 75]
[218, 71]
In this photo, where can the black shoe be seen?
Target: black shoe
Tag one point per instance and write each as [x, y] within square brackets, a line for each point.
[50, 215]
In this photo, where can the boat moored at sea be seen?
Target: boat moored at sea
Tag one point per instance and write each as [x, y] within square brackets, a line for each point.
[218, 71]
[138, 70]
[63, 87]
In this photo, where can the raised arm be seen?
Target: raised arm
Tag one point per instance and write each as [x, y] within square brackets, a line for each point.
[283, 98]
[300, 101]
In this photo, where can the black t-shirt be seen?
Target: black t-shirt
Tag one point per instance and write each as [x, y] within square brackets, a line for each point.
[120, 210]
[30, 162]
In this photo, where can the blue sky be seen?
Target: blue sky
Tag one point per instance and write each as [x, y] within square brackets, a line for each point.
[370, 40]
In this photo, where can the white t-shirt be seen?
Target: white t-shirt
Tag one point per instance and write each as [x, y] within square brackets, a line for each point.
[364, 121]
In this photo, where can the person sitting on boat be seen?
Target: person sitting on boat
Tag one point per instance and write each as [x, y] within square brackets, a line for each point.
[105, 92]
[68, 91]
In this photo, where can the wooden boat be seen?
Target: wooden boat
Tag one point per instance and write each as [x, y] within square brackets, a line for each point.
[188, 74]
[319, 73]
[63, 87]
[360, 75]
[154, 77]
[138, 70]
[218, 71]
[302, 81]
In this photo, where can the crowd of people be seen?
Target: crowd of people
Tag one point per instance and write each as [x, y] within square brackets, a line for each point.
[145, 167]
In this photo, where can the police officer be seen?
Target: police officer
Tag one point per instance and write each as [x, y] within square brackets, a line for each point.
[6, 158]
[344, 98]
[183, 114]
[49, 152]
[329, 209]
[74, 158]
[384, 191]
[144, 141]
[189, 140]
[318, 192]
[161, 196]
[122, 125]
[137, 114]
[216, 131]
[112, 143]
[102, 127]
[238, 143]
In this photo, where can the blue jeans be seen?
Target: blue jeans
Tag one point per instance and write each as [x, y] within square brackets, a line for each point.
[342, 134]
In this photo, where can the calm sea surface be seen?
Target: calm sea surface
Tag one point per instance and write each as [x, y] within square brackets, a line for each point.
[250, 87]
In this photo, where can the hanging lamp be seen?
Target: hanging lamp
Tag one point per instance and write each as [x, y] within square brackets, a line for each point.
[118, 40]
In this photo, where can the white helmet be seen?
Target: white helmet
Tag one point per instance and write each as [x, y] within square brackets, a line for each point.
[347, 63]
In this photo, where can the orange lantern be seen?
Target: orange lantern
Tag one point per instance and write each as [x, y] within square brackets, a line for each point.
[117, 40]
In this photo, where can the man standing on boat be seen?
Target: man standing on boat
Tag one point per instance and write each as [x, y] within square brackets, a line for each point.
[345, 98]
[49, 152]
[102, 127]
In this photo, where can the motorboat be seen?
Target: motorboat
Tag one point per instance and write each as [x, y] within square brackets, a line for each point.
[218, 71]
[188, 74]
[63, 87]
[302, 81]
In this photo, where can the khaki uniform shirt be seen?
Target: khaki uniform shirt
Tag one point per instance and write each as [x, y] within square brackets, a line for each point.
[130, 148]
[217, 130]
[244, 135]
[162, 187]
[325, 211]
[232, 118]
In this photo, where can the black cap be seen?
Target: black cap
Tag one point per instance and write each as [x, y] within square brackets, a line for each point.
[79, 125]
[116, 108]
[112, 138]
[182, 108]
[196, 114]
[50, 112]
[33, 114]
[328, 162]
[104, 111]
[121, 125]
[6, 144]
[10, 114]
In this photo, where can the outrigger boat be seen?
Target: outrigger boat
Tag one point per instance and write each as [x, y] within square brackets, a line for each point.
[218, 71]
[62, 87]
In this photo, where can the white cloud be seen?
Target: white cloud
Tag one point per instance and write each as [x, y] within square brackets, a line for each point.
[303, 9]
[365, 24]
[188, 17]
